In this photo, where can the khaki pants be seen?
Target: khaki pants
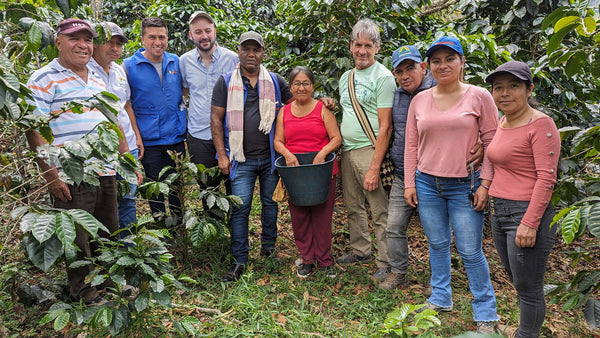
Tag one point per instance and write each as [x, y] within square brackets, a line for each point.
[355, 164]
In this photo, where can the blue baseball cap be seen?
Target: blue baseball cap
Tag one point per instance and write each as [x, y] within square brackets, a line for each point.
[445, 41]
[408, 52]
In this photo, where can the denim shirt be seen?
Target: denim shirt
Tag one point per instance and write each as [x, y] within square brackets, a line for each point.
[201, 81]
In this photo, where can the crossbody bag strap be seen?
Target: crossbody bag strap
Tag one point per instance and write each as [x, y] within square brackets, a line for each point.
[359, 111]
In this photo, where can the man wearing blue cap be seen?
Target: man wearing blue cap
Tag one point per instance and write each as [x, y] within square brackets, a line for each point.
[413, 77]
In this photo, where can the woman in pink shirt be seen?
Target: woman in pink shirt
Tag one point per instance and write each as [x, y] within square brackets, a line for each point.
[306, 126]
[524, 153]
[443, 124]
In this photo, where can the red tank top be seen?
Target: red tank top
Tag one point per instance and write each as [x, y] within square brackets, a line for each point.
[307, 133]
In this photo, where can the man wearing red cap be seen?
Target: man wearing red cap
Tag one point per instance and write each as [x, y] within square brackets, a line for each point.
[64, 79]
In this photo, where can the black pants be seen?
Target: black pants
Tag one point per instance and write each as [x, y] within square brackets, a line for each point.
[154, 160]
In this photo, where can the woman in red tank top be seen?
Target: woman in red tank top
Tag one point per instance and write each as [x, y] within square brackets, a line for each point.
[305, 126]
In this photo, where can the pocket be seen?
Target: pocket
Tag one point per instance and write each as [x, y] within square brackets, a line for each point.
[147, 121]
[181, 120]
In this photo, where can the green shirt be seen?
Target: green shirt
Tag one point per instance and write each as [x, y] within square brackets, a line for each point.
[375, 87]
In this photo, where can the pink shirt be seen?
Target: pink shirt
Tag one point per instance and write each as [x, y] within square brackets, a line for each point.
[525, 159]
[439, 142]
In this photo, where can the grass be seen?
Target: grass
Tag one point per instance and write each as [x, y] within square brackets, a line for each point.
[271, 301]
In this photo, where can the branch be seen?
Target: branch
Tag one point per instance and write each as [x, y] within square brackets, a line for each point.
[437, 6]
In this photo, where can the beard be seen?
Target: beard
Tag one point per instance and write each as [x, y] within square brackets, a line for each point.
[198, 45]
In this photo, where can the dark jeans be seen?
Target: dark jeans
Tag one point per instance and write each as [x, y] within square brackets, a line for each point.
[243, 186]
[127, 209]
[101, 202]
[204, 152]
[155, 158]
[525, 266]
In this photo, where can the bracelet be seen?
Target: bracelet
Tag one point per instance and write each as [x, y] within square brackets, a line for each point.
[485, 186]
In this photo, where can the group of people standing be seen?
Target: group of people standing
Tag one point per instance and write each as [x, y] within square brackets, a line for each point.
[450, 151]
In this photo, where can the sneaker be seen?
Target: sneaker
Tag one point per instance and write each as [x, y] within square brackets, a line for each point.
[393, 281]
[354, 258]
[486, 327]
[436, 308]
[304, 270]
[298, 262]
[330, 271]
[268, 253]
[382, 273]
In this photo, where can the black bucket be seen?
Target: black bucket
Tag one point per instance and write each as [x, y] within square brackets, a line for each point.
[308, 183]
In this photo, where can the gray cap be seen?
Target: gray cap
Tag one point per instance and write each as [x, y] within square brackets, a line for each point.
[117, 31]
[251, 35]
[201, 14]
[516, 68]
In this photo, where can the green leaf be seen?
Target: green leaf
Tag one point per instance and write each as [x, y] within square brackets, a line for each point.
[117, 322]
[570, 225]
[44, 227]
[593, 221]
[72, 166]
[109, 139]
[18, 212]
[591, 310]
[79, 148]
[65, 7]
[157, 285]
[125, 261]
[65, 231]
[162, 298]
[87, 222]
[587, 27]
[576, 63]
[589, 281]
[43, 255]
[105, 316]
[10, 81]
[558, 36]
[141, 301]
[34, 37]
[61, 321]
[28, 221]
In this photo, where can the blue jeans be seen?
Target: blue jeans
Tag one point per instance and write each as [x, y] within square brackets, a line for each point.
[127, 210]
[399, 214]
[444, 208]
[243, 186]
[525, 266]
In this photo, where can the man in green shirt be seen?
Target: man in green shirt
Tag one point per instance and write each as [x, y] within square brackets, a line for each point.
[361, 159]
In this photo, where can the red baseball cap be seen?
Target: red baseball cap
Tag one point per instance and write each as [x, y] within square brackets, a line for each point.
[72, 25]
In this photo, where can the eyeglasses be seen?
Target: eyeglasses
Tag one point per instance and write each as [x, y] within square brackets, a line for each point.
[303, 84]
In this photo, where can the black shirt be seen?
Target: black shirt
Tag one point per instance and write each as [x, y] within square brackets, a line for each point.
[256, 144]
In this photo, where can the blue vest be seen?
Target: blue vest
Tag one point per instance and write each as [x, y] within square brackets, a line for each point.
[278, 105]
[159, 109]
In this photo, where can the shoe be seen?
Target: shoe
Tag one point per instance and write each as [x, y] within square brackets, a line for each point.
[436, 308]
[330, 271]
[129, 291]
[382, 273]
[486, 327]
[305, 270]
[393, 281]
[235, 273]
[268, 253]
[354, 258]
[298, 262]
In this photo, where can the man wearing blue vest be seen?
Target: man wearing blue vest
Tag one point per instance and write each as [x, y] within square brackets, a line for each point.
[244, 108]
[157, 101]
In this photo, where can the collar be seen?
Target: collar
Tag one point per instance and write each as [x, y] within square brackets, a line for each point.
[216, 54]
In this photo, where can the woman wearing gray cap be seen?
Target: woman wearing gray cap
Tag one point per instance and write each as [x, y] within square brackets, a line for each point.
[524, 153]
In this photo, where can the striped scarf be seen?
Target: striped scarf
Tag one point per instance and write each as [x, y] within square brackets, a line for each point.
[235, 109]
